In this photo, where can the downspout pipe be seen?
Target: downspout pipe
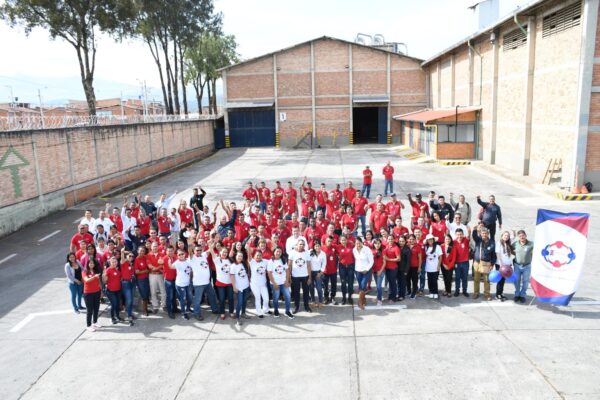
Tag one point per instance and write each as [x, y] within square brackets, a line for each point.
[480, 68]
[521, 27]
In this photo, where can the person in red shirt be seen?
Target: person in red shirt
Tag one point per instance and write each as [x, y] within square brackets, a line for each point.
[418, 206]
[330, 232]
[277, 195]
[91, 277]
[312, 233]
[289, 204]
[322, 196]
[378, 268]
[394, 207]
[142, 279]
[391, 257]
[349, 194]
[388, 176]
[330, 271]
[307, 207]
[128, 282]
[461, 244]
[349, 221]
[448, 262]
[264, 196]
[308, 189]
[250, 194]
[346, 269]
[82, 251]
[282, 231]
[331, 206]
[367, 180]
[156, 279]
[144, 222]
[358, 205]
[112, 279]
[290, 189]
[415, 264]
[186, 214]
[438, 227]
[115, 218]
[338, 195]
[164, 223]
[170, 274]
[321, 222]
[378, 219]
[241, 229]
[399, 230]
[82, 234]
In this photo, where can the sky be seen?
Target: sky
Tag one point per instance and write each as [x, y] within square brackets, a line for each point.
[35, 62]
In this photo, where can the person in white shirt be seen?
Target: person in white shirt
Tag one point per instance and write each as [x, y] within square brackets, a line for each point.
[223, 281]
[292, 241]
[505, 253]
[363, 264]
[201, 281]
[456, 224]
[103, 220]
[318, 260]
[258, 283]
[240, 283]
[175, 226]
[279, 275]
[299, 263]
[182, 282]
[89, 221]
[433, 264]
[128, 224]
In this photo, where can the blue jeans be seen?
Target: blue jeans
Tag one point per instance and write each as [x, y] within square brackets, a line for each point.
[143, 285]
[225, 293]
[316, 284]
[422, 278]
[363, 279]
[363, 224]
[366, 190]
[210, 295]
[171, 293]
[347, 279]
[391, 276]
[461, 276]
[240, 302]
[287, 297]
[389, 184]
[114, 298]
[127, 291]
[379, 283]
[76, 295]
[184, 293]
[522, 275]
[263, 206]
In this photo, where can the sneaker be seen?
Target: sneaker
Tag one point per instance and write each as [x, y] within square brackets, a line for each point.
[523, 300]
[308, 309]
[172, 316]
[335, 303]
[91, 328]
[466, 294]
[130, 322]
[343, 302]
[185, 316]
[238, 322]
[350, 301]
[456, 294]
[261, 316]
[76, 311]
[412, 296]
[155, 311]
[270, 312]
[115, 321]
[379, 303]
[475, 296]
[199, 317]
[420, 293]
[245, 316]
[498, 297]
[431, 295]
[289, 315]
[276, 314]
[97, 325]
[81, 308]
[222, 317]
[435, 296]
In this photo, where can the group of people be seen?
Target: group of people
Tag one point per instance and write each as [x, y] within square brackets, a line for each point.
[286, 241]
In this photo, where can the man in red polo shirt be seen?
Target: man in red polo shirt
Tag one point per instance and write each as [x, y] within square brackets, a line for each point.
[290, 189]
[289, 204]
[322, 196]
[82, 234]
[307, 189]
[394, 207]
[277, 195]
[358, 205]
[307, 207]
[321, 222]
[264, 196]
[417, 206]
[241, 229]
[367, 180]
[338, 195]
[388, 176]
[378, 220]
[349, 193]
[250, 193]
[399, 229]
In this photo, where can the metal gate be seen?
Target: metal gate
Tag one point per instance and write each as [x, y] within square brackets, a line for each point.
[252, 128]
[382, 120]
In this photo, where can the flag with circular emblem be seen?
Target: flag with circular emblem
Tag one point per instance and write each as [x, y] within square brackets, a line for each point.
[558, 255]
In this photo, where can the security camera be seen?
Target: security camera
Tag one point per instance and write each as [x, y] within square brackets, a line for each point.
[492, 37]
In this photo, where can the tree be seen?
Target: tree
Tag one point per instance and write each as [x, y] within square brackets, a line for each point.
[204, 60]
[169, 27]
[78, 23]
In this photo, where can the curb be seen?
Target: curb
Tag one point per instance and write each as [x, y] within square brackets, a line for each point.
[574, 197]
[454, 162]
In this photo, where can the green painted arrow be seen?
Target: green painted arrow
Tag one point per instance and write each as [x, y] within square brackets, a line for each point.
[12, 161]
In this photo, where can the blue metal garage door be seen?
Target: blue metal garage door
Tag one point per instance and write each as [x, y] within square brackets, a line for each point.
[252, 128]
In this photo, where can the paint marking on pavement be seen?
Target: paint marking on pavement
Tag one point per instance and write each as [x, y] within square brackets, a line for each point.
[32, 316]
[8, 258]
[383, 307]
[78, 220]
[49, 236]
[572, 303]
[488, 304]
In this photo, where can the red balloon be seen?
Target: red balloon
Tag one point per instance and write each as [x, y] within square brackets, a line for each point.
[506, 271]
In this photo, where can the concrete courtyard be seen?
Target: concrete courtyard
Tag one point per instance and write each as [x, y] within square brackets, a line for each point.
[422, 349]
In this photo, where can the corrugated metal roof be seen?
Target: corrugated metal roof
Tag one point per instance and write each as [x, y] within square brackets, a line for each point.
[315, 40]
[427, 115]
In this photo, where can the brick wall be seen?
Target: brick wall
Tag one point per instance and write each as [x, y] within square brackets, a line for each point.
[65, 166]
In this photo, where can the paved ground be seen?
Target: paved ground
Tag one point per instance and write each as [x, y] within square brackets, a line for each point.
[450, 349]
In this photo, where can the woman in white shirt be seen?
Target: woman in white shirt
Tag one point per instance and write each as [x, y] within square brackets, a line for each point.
[258, 283]
[363, 263]
[223, 281]
[201, 281]
[318, 259]
[240, 283]
[433, 263]
[279, 275]
[504, 257]
[182, 282]
[299, 263]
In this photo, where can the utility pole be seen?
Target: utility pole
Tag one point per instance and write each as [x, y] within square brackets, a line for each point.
[41, 107]
[121, 103]
[12, 96]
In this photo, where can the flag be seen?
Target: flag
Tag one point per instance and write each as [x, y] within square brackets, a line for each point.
[558, 255]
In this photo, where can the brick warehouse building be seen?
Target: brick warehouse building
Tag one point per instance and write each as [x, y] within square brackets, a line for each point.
[522, 93]
[337, 91]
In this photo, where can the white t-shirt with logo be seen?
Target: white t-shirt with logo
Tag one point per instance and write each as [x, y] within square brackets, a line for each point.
[223, 269]
[201, 270]
[432, 258]
[258, 272]
[184, 272]
[278, 269]
[299, 263]
[241, 277]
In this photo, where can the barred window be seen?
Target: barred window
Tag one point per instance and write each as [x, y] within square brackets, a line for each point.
[561, 20]
[514, 39]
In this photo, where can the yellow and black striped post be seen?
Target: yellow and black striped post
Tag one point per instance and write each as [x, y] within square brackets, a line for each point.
[389, 137]
[454, 162]
[227, 141]
[277, 139]
[351, 138]
[574, 197]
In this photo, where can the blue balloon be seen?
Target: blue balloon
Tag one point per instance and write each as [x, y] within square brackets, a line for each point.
[495, 276]
[511, 279]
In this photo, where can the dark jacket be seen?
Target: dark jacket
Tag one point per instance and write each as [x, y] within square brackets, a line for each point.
[484, 251]
[491, 213]
[197, 202]
[404, 263]
[445, 210]
[223, 228]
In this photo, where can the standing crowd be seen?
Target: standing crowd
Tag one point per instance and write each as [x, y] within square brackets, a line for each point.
[287, 243]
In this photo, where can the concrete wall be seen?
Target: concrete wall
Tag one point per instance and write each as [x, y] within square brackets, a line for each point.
[321, 99]
[55, 169]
